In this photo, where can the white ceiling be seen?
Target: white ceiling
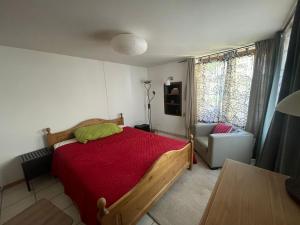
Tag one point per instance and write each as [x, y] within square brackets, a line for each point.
[173, 28]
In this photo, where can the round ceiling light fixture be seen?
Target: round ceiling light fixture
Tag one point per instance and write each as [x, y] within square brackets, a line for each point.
[129, 44]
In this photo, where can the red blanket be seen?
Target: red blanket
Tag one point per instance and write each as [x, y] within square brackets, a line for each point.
[108, 167]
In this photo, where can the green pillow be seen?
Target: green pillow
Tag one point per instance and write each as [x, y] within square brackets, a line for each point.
[94, 132]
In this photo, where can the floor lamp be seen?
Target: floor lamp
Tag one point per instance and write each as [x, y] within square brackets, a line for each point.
[147, 85]
[291, 106]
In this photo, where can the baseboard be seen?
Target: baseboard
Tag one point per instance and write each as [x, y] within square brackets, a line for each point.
[12, 184]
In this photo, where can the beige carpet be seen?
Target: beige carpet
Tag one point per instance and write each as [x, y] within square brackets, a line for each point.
[186, 200]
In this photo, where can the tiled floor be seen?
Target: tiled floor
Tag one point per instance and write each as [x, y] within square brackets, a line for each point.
[17, 198]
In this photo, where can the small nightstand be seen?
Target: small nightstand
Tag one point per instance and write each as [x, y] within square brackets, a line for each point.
[144, 127]
[36, 163]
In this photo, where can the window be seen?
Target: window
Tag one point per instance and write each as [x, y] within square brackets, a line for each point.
[223, 87]
[285, 42]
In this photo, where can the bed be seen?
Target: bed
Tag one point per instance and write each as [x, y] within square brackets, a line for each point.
[115, 180]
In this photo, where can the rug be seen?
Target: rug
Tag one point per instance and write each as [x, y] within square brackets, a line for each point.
[185, 202]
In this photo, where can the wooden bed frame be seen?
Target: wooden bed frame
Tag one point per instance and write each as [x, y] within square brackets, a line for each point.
[134, 204]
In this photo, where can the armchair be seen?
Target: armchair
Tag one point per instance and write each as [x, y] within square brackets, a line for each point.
[215, 148]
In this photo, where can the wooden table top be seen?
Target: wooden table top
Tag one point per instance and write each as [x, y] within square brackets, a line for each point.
[43, 212]
[248, 195]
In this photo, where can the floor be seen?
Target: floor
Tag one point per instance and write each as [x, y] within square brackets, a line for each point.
[188, 197]
[15, 199]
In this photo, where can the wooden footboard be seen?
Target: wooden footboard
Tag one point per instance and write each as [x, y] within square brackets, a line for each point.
[133, 205]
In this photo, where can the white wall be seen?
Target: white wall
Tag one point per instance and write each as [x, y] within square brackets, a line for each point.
[39, 90]
[126, 92]
[158, 74]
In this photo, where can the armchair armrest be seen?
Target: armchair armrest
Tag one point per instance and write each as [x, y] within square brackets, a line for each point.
[231, 136]
[236, 146]
[203, 129]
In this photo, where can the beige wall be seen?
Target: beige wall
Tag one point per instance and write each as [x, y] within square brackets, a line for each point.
[39, 90]
[158, 74]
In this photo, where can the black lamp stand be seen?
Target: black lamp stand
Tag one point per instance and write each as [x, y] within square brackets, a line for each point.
[147, 85]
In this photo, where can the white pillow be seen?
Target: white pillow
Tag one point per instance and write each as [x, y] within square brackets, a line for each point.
[62, 143]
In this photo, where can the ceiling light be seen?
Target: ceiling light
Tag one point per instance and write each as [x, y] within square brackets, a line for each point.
[129, 44]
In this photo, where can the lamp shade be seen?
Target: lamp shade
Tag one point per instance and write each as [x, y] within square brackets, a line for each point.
[129, 44]
[290, 105]
[168, 82]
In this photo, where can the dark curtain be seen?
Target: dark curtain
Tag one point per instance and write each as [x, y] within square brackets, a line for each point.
[190, 97]
[281, 150]
[266, 59]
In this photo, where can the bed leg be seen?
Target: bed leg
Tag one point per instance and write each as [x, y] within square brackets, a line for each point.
[191, 155]
[102, 211]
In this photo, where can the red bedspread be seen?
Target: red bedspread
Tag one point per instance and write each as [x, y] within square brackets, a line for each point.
[108, 167]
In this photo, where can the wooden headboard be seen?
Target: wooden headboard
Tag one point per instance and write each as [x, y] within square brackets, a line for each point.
[68, 134]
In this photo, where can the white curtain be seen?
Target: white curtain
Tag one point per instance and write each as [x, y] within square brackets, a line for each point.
[223, 88]
[210, 78]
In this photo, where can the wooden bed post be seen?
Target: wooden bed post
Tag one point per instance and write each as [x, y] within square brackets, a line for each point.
[191, 152]
[49, 136]
[101, 203]
[48, 130]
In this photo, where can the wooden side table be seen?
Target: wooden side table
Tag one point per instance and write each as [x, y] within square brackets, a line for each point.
[36, 163]
[248, 195]
[43, 212]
